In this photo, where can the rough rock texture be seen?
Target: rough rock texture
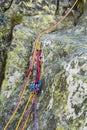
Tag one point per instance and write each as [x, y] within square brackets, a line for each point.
[29, 6]
[62, 103]
[5, 40]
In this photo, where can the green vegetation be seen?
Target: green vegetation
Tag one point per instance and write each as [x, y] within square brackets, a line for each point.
[16, 19]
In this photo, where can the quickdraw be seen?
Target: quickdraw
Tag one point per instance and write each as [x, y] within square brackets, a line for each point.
[36, 85]
[34, 91]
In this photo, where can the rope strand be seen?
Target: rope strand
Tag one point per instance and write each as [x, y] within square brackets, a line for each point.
[17, 106]
[35, 121]
[23, 112]
[27, 116]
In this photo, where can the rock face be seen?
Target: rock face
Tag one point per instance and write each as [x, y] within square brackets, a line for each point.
[62, 103]
[29, 6]
[5, 40]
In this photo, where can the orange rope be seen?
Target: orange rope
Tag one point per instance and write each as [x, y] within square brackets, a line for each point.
[59, 21]
[28, 115]
[30, 97]
[33, 60]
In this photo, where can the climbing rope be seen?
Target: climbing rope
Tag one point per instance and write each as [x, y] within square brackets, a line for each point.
[29, 99]
[32, 63]
[59, 21]
[27, 116]
[35, 116]
[17, 106]
[34, 88]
